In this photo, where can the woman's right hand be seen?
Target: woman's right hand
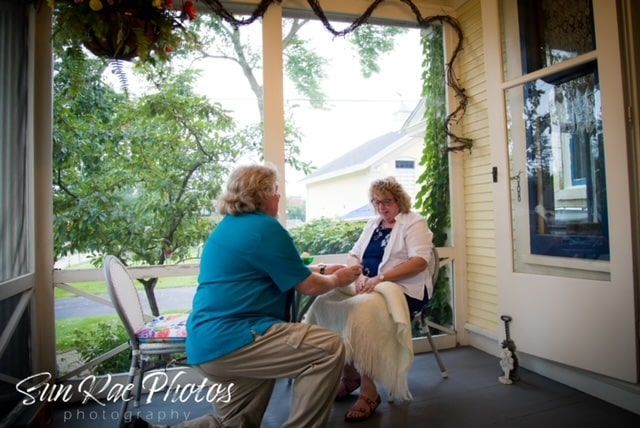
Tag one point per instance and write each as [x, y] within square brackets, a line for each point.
[360, 281]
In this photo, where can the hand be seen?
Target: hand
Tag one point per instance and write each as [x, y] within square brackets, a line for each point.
[368, 285]
[347, 275]
[333, 268]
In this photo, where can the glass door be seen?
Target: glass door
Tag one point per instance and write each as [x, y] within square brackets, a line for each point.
[566, 275]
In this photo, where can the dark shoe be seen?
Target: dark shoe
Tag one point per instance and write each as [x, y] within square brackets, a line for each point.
[362, 409]
[138, 422]
[347, 386]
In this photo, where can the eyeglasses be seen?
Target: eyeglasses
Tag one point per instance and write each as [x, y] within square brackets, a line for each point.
[385, 202]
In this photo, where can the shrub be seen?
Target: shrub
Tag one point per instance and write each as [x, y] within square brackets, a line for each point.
[95, 341]
[327, 236]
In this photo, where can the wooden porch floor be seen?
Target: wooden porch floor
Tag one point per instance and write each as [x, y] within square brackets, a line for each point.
[470, 397]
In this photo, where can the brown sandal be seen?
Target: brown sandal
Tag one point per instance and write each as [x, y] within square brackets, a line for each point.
[364, 410]
[347, 386]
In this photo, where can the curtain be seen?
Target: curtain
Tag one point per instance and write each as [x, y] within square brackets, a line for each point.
[14, 156]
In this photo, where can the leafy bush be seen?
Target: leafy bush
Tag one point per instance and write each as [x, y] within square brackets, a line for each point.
[327, 236]
[95, 341]
[441, 311]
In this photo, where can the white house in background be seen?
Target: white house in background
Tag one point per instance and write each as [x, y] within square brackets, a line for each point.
[340, 188]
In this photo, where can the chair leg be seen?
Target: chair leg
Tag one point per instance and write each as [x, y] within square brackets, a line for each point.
[141, 364]
[127, 395]
[443, 369]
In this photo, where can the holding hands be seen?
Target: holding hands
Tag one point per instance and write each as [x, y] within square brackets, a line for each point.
[346, 275]
[329, 269]
[328, 277]
[364, 284]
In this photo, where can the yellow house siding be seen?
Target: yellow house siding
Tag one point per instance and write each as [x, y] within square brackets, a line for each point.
[482, 302]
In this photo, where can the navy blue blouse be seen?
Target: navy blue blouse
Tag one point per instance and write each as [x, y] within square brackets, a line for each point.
[375, 250]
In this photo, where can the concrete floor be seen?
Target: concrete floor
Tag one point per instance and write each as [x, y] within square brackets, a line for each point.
[470, 397]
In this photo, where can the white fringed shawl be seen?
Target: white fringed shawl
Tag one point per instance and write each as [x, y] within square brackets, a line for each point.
[376, 329]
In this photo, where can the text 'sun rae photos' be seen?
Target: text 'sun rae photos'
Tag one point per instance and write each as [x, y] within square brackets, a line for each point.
[102, 391]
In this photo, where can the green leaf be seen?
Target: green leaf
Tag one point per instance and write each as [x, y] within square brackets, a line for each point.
[433, 196]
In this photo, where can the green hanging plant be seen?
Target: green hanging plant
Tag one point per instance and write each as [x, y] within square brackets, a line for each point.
[433, 198]
[122, 29]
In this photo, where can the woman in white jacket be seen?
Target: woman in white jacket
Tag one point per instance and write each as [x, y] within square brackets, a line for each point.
[395, 246]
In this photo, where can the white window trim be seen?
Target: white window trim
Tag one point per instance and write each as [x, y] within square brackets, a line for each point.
[520, 212]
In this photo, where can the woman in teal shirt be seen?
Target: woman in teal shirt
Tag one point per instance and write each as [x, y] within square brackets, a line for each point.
[238, 331]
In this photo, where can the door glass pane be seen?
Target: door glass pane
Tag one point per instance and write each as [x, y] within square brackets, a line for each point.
[559, 196]
[548, 31]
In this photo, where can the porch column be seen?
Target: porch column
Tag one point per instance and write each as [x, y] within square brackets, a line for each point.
[43, 308]
[273, 96]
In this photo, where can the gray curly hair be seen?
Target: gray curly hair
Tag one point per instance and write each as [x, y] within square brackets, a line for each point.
[248, 188]
[390, 186]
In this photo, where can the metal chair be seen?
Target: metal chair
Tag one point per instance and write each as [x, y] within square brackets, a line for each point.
[161, 337]
[422, 315]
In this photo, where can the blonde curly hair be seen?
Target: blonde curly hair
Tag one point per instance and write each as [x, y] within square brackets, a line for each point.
[390, 186]
[247, 190]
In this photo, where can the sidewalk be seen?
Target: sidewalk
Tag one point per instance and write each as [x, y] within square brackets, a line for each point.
[169, 299]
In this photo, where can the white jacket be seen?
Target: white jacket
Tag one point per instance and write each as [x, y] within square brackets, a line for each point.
[410, 237]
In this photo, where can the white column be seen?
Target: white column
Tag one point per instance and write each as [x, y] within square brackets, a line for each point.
[273, 96]
[44, 303]
[456, 198]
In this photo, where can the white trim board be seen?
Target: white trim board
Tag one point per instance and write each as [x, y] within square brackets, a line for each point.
[619, 393]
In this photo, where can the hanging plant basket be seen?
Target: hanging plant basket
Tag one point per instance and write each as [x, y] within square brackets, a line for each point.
[122, 36]
[123, 29]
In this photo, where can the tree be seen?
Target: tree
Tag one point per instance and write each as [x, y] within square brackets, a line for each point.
[132, 177]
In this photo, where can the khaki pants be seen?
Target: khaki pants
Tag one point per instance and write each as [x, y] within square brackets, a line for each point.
[311, 355]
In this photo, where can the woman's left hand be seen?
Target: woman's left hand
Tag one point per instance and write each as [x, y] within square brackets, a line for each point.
[368, 285]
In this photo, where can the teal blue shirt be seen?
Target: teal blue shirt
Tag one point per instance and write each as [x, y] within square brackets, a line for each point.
[248, 265]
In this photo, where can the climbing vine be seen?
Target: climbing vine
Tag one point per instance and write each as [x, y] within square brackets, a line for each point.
[433, 198]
